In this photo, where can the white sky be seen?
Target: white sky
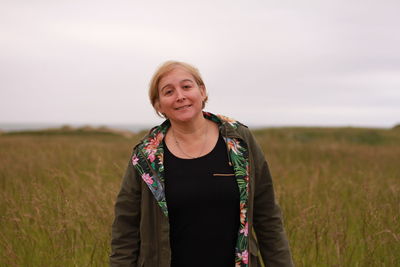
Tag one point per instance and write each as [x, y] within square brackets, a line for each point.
[263, 62]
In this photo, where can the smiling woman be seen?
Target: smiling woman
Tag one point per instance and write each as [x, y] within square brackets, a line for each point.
[180, 98]
[168, 67]
[198, 184]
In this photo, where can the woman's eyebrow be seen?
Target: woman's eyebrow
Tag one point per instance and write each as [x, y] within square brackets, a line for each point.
[186, 80]
[165, 86]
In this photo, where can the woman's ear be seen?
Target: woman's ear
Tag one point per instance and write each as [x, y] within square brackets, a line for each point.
[203, 91]
[157, 106]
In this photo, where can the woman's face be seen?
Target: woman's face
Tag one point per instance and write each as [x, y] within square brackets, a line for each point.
[180, 97]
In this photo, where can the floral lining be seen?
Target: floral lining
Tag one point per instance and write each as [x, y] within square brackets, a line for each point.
[148, 161]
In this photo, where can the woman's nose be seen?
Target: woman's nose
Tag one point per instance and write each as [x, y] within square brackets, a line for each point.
[180, 95]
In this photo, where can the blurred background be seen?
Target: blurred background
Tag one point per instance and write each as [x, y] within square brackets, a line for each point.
[88, 63]
[265, 63]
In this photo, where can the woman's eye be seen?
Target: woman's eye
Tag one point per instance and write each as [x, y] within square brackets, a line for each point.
[166, 91]
[187, 86]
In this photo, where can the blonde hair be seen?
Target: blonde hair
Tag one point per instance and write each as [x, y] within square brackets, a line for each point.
[163, 70]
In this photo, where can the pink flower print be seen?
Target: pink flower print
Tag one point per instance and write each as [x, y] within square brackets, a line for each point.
[151, 156]
[147, 178]
[245, 257]
[135, 160]
[245, 229]
[154, 142]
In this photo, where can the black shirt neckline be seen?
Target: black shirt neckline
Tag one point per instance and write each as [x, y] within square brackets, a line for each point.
[197, 158]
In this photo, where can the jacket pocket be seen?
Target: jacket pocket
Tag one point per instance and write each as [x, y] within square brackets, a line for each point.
[223, 174]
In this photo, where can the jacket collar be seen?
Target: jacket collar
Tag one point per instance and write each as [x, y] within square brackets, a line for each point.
[227, 126]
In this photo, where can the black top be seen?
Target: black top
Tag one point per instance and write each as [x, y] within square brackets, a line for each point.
[203, 206]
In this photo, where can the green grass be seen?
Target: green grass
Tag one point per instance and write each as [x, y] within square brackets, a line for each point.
[339, 189]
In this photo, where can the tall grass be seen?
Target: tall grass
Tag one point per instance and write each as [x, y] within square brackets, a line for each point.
[56, 198]
[339, 190]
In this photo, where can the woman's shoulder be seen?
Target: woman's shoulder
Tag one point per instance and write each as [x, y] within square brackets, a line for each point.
[233, 128]
[233, 125]
[152, 139]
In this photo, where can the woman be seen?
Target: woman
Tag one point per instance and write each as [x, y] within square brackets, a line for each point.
[197, 190]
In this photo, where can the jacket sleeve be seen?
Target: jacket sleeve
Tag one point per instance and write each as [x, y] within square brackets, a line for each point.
[267, 218]
[125, 238]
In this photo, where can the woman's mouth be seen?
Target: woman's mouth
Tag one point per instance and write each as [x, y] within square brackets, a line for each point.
[183, 107]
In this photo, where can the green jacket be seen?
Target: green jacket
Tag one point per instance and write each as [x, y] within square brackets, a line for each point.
[140, 232]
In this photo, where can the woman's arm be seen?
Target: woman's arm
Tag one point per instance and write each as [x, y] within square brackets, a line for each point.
[267, 218]
[125, 238]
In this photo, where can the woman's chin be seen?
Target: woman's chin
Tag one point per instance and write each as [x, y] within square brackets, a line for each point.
[184, 117]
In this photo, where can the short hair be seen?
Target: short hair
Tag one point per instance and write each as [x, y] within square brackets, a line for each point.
[166, 68]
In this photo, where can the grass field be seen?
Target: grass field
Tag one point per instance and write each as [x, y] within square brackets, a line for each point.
[339, 190]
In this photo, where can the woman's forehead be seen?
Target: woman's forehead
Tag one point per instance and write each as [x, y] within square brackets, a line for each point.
[177, 74]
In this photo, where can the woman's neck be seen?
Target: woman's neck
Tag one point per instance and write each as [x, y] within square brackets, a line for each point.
[189, 130]
[192, 140]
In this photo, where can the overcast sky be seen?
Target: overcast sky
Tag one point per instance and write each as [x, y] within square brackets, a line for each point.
[266, 63]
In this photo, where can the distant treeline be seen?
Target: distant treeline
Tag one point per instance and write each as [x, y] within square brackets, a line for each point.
[371, 136]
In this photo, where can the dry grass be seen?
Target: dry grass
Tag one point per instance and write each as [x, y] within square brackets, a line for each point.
[339, 190]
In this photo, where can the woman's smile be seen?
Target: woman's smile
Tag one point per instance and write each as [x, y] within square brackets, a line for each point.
[183, 107]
